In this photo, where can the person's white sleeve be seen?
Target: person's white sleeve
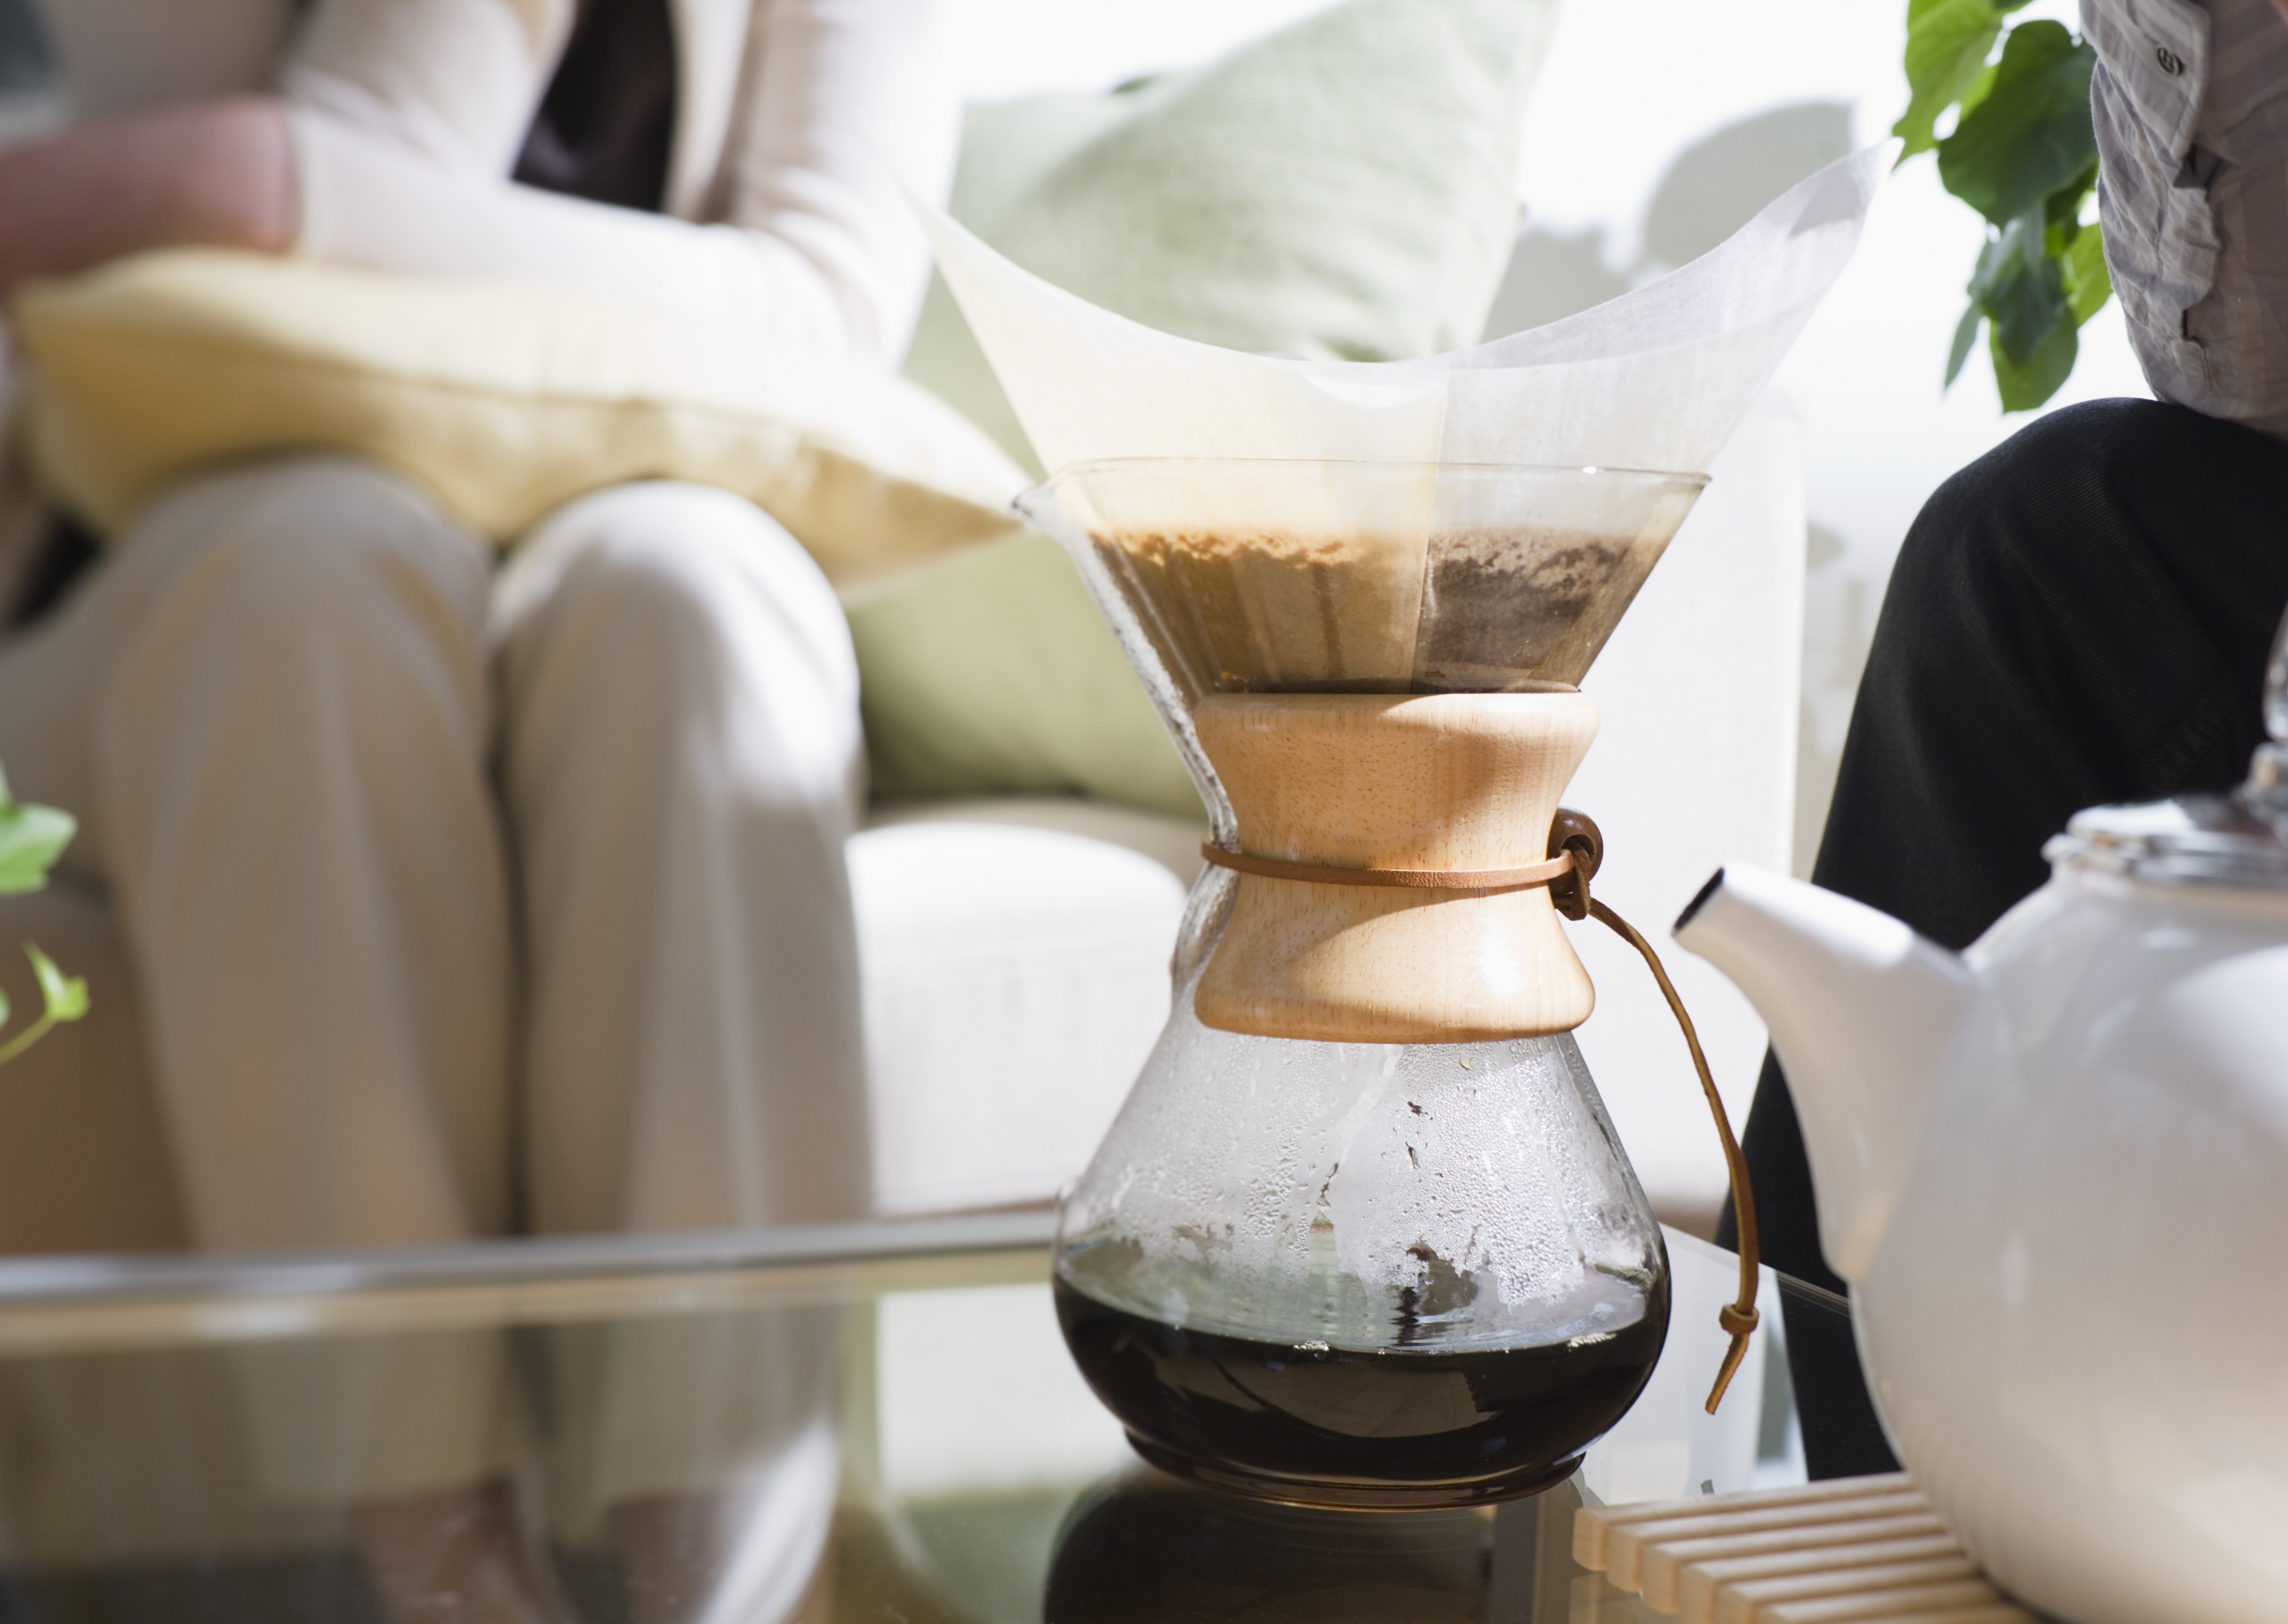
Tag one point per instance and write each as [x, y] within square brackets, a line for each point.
[451, 81]
[810, 245]
[365, 204]
[849, 102]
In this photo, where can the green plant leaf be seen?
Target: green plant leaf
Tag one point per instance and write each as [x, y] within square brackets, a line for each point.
[64, 996]
[1965, 334]
[2029, 383]
[2062, 208]
[2032, 136]
[3, 1009]
[1947, 45]
[2020, 288]
[2088, 284]
[1981, 86]
[2023, 153]
[31, 839]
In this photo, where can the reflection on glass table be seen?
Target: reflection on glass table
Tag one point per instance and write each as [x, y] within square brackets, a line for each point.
[656, 1421]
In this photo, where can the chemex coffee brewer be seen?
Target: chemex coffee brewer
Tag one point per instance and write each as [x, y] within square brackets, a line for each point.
[1363, 1233]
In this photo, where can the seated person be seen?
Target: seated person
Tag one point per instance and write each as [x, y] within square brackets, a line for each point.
[471, 898]
[2083, 615]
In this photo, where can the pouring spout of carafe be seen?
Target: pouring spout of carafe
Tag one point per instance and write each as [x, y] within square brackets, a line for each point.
[1862, 1013]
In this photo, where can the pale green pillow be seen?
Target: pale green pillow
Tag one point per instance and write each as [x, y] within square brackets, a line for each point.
[1042, 703]
[1340, 189]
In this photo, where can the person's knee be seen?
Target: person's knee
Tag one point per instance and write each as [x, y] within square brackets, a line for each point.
[667, 565]
[311, 549]
[2049, 503]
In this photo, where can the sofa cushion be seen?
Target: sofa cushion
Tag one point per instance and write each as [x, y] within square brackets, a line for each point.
[994, 672]
[1172, 840]
[1340, 189]
[506, 399]
[1015, 975]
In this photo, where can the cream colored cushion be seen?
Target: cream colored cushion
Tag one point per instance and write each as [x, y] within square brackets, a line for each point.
[507, 399]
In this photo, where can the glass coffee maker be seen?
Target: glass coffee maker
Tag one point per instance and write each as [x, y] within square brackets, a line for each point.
[1362, 1234]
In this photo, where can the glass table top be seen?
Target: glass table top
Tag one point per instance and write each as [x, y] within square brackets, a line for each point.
[869, 1422]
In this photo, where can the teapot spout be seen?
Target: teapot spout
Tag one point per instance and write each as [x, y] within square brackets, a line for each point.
[1862, 1013]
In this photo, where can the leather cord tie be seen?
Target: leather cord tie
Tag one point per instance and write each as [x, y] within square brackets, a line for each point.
[1417, 879]
[1575, 851]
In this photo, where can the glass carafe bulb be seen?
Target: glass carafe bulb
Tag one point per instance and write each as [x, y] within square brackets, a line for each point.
[1362, 1273]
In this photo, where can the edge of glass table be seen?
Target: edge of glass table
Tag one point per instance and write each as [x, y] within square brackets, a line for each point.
[910, 1529]
[83, 1303]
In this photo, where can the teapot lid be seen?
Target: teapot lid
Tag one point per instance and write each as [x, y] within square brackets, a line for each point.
[2194, 839]
[2235, 839]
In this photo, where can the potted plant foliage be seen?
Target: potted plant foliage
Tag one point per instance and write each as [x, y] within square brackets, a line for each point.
[31, 839]
[2022, 151]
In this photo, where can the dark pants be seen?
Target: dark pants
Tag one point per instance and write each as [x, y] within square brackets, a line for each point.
[2080, 616]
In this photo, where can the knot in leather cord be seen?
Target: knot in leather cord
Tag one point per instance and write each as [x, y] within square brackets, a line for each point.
[1574, 834]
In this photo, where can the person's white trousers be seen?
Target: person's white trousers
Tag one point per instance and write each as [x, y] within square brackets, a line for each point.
[467, 901]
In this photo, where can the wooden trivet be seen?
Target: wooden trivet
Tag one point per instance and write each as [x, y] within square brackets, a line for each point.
[1866, 1550]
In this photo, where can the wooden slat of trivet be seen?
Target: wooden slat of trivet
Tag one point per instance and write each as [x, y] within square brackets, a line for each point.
[1626, 1547]
[1592, 1525]
[1664, 1564]
[1743, 1596]
[1989, 1612]
[1887, 1602]
[1696, 1582]
[1859, 1549]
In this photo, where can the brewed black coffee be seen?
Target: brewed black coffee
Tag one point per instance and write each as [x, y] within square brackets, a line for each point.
[1395, 1426]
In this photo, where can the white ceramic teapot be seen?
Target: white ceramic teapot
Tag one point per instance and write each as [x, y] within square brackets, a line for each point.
[2055, 1169]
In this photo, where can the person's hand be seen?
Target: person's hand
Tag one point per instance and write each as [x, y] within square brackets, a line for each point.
[218, 173]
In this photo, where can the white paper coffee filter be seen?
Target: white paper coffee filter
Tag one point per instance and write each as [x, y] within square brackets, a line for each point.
[1657, 378]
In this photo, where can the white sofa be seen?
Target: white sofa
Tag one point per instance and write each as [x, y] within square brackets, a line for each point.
[1015, 954]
